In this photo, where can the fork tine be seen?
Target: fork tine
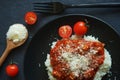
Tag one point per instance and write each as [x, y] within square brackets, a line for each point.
[42, 11]
[38, 8]
[43, 6]
[49, 5]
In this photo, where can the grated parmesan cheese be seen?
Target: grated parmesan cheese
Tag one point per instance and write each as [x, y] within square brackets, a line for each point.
[77, 63]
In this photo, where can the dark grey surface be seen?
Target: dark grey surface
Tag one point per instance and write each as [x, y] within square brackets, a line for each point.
[12, 11]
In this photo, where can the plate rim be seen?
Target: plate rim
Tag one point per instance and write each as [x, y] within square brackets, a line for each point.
[62, 16]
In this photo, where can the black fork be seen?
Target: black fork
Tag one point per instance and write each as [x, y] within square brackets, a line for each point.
[57, 7]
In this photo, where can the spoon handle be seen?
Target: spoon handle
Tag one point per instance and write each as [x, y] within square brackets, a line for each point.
[4, 55]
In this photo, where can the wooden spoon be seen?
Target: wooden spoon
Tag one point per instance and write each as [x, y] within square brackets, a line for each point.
[10, 46]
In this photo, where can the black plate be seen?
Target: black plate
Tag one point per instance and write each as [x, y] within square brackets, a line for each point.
[39, 47]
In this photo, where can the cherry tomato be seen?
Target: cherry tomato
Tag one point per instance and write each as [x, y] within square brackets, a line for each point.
[30, 18]
[12, 70]
[80, 28]
[65, 31]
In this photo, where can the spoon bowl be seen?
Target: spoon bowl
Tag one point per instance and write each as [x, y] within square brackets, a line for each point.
[10, 46]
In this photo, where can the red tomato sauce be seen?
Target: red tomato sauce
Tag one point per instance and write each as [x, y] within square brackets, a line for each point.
[94, 51]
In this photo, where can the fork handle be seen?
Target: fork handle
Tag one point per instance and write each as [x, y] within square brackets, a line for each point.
[95, 5]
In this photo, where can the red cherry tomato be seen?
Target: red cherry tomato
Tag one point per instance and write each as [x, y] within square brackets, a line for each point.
[12, 70]
[80, 28]
[30, 18]
[65, 31]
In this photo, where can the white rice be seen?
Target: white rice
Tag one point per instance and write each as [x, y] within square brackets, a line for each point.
[17, 32]
[103, 69]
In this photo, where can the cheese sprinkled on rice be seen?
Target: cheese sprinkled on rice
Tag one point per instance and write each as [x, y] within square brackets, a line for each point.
[74, 60]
